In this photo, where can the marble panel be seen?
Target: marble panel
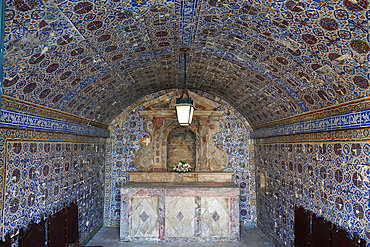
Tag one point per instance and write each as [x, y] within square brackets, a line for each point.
[215, 216]
[144, 217]
[180, 216]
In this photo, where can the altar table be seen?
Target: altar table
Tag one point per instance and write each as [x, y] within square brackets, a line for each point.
[176, 212]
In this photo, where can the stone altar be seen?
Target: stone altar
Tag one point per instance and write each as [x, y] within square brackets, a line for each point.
[159, 205]
[187, 211]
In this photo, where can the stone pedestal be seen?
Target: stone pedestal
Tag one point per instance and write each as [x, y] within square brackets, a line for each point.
[187, 211]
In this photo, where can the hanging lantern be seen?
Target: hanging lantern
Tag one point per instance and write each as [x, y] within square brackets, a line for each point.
[184, 111]
[184, 107]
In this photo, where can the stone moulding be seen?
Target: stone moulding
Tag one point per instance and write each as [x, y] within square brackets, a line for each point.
[155, 156]
[180, 177]
[167, 144]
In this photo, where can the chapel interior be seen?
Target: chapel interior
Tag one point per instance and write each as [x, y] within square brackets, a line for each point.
[282, 111]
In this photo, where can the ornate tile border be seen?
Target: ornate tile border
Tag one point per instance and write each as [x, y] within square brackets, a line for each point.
[23, 120]
[349, 120]
[10, 103]
[360, 134]
[349, 107]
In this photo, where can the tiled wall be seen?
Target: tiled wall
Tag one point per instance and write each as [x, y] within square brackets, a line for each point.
[42, 172]
[327, 173]
[127, 130]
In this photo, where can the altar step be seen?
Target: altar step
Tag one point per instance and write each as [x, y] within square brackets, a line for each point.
[250, 237]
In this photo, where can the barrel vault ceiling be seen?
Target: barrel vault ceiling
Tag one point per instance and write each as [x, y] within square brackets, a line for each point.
[269, 59]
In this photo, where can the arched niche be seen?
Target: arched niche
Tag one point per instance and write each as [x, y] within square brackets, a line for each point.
[181, 145]
[172, 132]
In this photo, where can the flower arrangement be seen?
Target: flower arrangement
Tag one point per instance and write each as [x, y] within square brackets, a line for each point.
[182, 166]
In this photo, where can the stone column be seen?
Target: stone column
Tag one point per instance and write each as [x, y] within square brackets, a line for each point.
[204, 134]
[159, 165]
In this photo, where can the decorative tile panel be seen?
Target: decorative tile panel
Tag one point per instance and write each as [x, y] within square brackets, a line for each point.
[270, 60]
[343, 121]
[43, 172]
[12, 104]
[23, 120]
[327, 173]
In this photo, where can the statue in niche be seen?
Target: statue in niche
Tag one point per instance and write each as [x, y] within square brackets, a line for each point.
[180, 146]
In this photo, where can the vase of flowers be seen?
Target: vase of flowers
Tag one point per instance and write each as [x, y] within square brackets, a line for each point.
[182, 166]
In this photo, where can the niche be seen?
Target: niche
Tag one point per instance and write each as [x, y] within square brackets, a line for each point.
[181, 146]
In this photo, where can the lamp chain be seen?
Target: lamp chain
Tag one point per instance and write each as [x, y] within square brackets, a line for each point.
[185, 90]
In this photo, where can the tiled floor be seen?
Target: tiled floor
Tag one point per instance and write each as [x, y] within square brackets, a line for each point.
[250, 237]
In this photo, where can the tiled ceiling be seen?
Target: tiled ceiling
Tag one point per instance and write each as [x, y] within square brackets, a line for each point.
[269, 59]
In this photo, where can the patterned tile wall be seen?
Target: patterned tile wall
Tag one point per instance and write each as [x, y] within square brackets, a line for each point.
[127, 130]
[330, 178]
[42, 172]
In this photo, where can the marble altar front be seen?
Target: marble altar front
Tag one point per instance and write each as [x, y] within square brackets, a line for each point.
[186, 211]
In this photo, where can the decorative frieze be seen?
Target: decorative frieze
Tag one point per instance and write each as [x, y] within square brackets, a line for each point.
[17, 105]
[349, 120]
[24, 120]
